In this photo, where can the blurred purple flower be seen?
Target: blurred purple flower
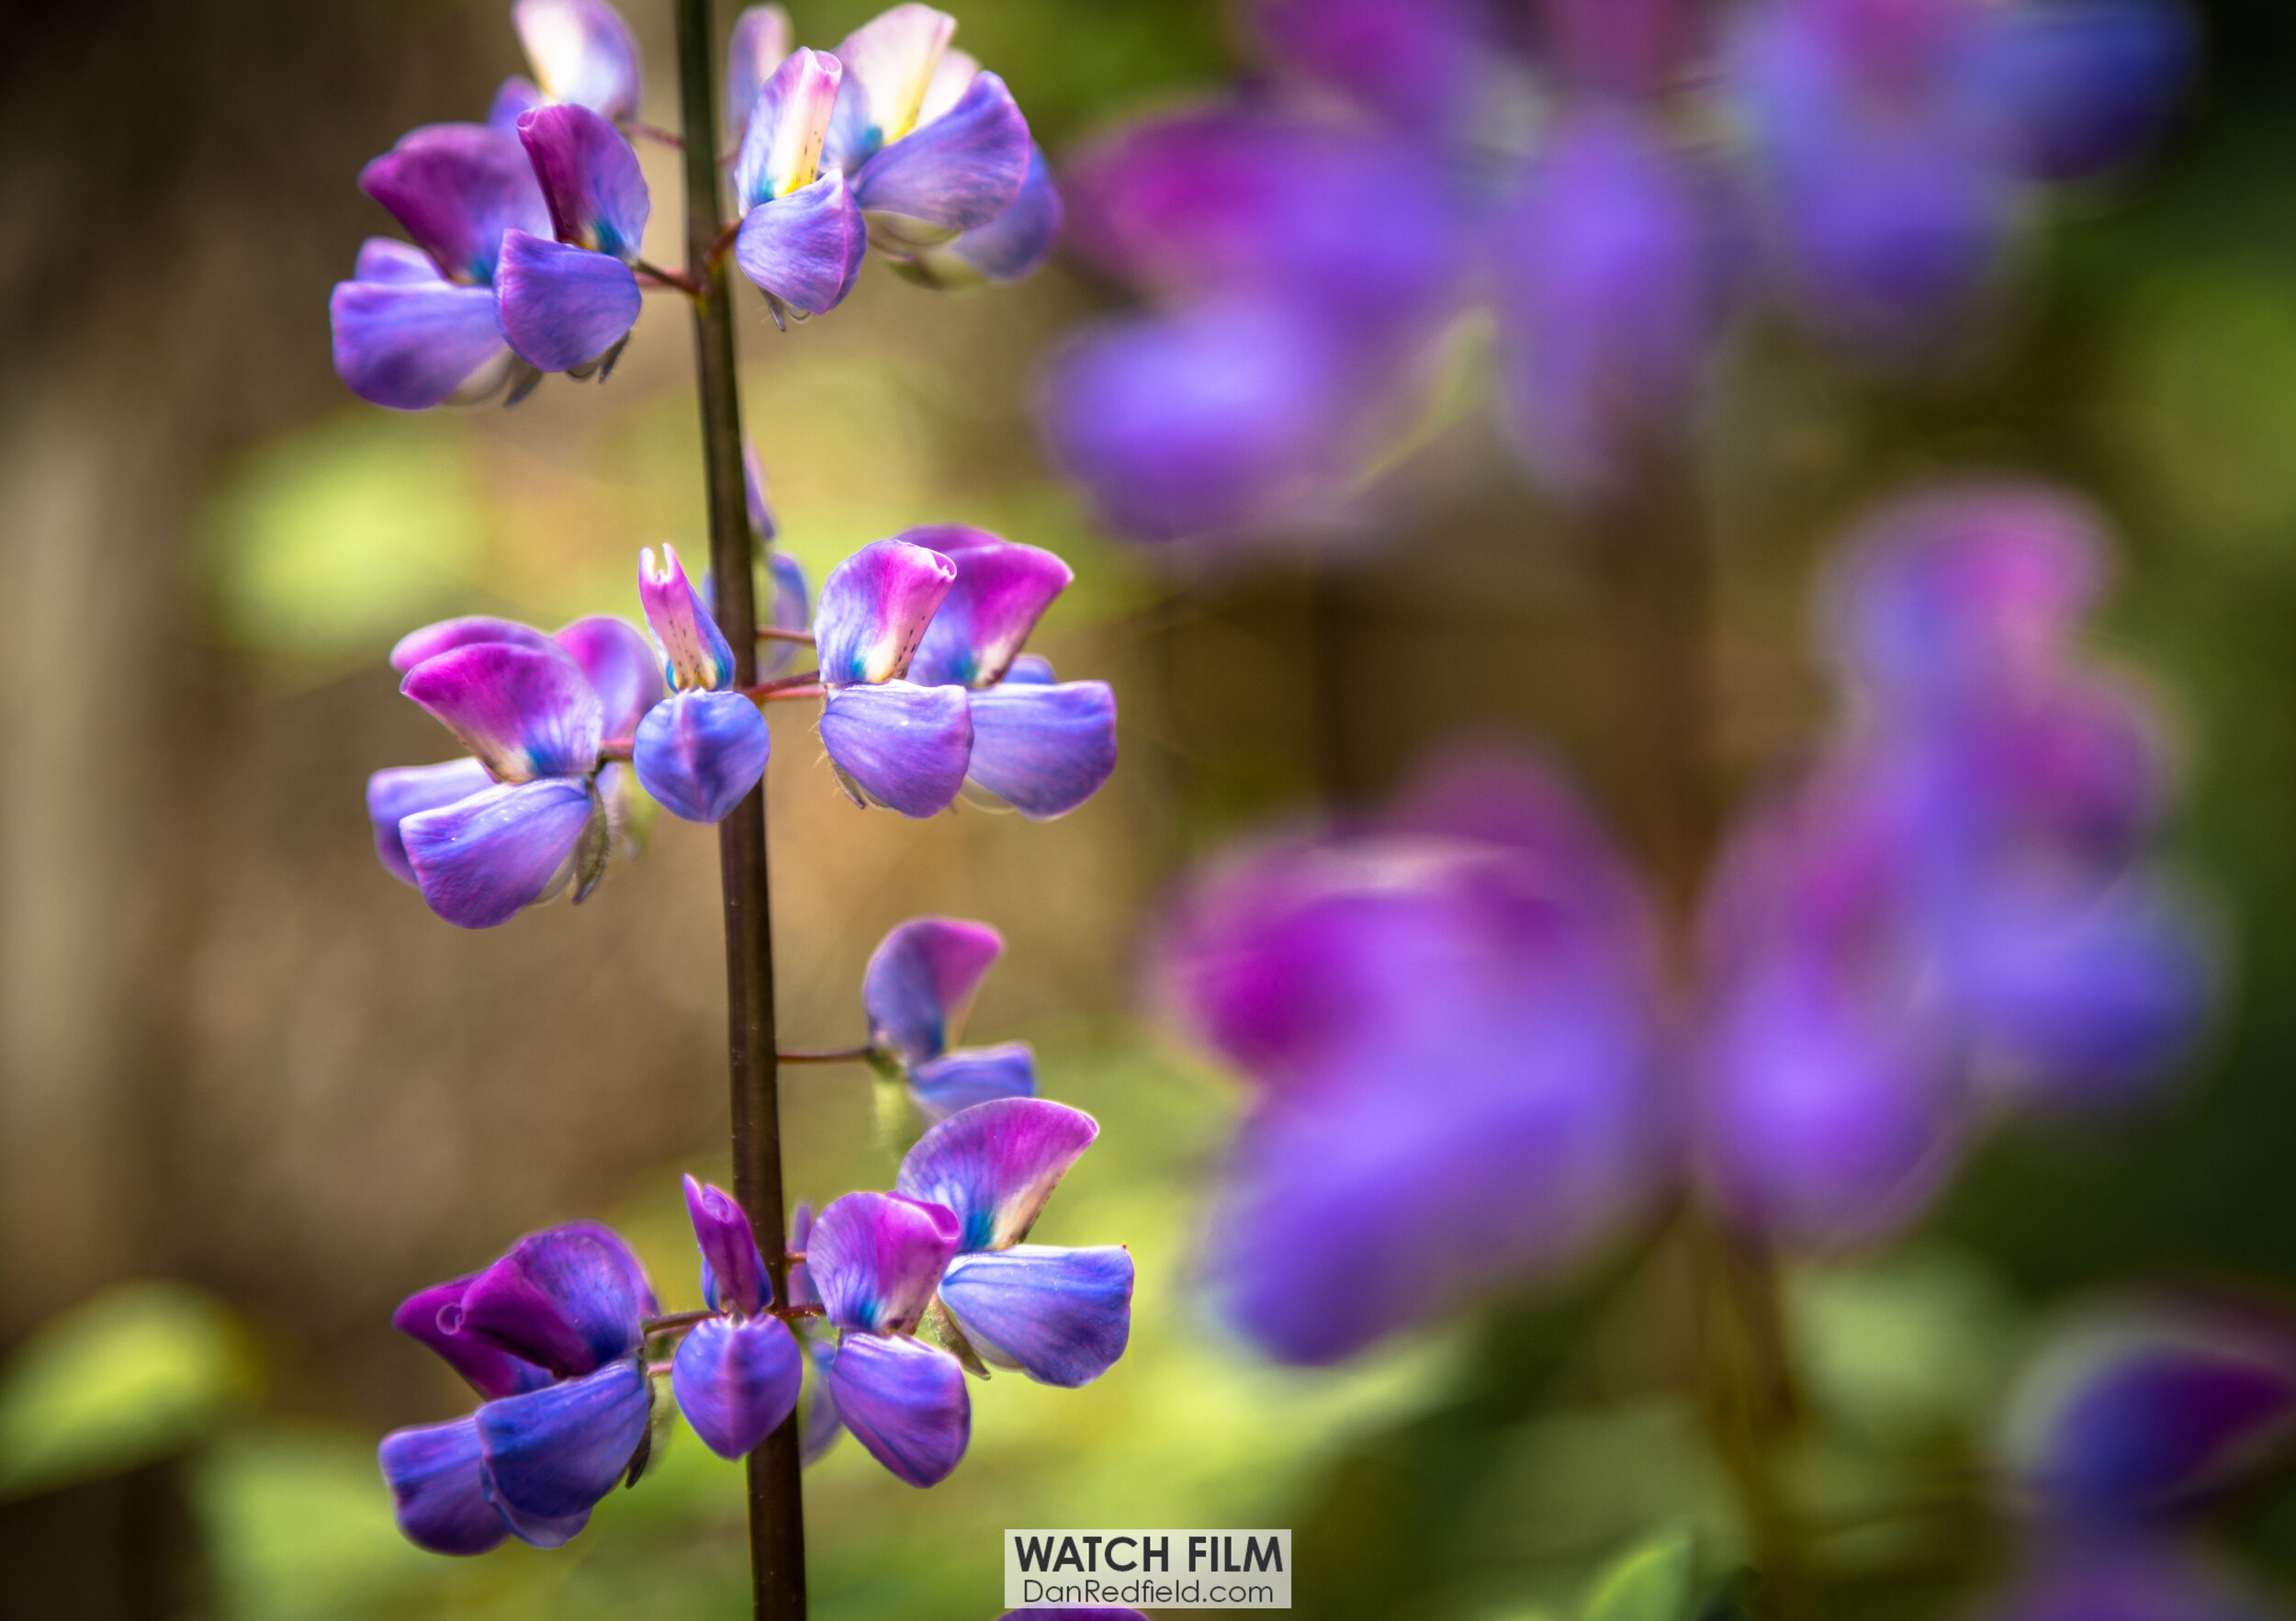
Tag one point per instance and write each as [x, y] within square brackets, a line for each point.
[919, 983]
[551, 1337]
[582, 52]
[2144, 1579]
[735, 1374]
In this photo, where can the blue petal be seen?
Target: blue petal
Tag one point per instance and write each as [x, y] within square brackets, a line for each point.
[1043, 750]
[820, 1426]
[806, 248]
[551, 1454]
[995, 1165]
[972, 1075]
[482, 859]
[395, 794]
[562, 307]
[964, 169]
[1013, 245]
[736, 1382]
[1061, 1316]
[906, 1402]
[411, 345]
[436, 1491]
[906, 746]
[699, 753]
[1030, 669]
[2085, 84]
[387, 259]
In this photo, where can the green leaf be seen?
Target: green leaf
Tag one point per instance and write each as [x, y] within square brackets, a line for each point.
[1648, 1583]
[135, 1374]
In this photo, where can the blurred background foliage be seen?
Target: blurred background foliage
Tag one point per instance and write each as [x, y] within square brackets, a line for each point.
[240, 1060]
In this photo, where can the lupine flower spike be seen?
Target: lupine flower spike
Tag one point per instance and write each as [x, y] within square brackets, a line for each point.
[919, 983]
[735, 1374]
[702, 749]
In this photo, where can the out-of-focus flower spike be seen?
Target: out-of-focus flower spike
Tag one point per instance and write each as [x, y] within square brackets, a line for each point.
[394, 795]
[781, 148]
[582, 52]
[700, 753]
[570, 1299]
[759, 42]
[437, 1491]
[1000, 592]
[1008, 248]
[874, 609]
[904, 1401]
[563, 308]
[736, 1381]
[941, 1086]
[899, 744]
[418, 646]
[889, 65]
[694, 653]
[995, 1165]
[457, 189]
[550, 1455]
[1620, 48]
[490, 1371]
[963, 170]
[1043, 749]
[524, 712]
[589, 178]
[513, 99]
[483, 859]
[921, 981]
[804, 249]
[876, 1259]
[2086, 85]
[721, 1230]
[1415, 63]
[761, 521]
[1062, 1316]
[621, 666]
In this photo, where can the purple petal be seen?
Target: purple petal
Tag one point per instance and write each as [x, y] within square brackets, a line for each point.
[700, 753]
[620, 667]
[820, 1425]
[483, 859]
[1415, 62]
[583, 52]
[570, 1299]
[589, 178]
[395, 794]
[759, 40]
[781, 148]
[2087, 84]
[736, 1382]
[874, 609]
[921, 979]
[457, 189]
[729, 1250]
[964, 169]
[889, 64]
[1012, 246]
[490, 1370]
[513, 99]
[944, 1085]
[2125, 1578]
[419, 645]
[387, 259]
[694, 653]
[1043, 750]
[801, 1289]
[995, 1164]
[904, 1401]
[563, 308]
[525, 712]
[904, 747]
[806, 248]
[550, 1455]
[1000, 592]
[1622, 47]
[1062, 1316]
[412, 345]
[793, 610]
[1030, 669]
[876, 1259]
[762, 524]
[435, 1489]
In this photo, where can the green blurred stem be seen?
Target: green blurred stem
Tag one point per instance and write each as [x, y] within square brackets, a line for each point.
[777, 1516]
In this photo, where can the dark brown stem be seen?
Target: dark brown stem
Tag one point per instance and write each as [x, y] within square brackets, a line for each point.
[777, 1516]
[830, 1055]
[668, 280]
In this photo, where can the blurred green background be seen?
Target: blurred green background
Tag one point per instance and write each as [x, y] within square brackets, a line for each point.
[251, 1093]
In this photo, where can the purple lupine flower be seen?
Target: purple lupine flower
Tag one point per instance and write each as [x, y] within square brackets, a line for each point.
[1061, 1316]
[802, 236]
[918, 987]
[2146, 1579]
[1450, 1016]
[737, 1375]
[2084, 86]
[892, 741]
[760, 42]
[1010, 247]
[582, 52]
[551, 1337]
[568, 303]
[876, 1258]
[534, 812]
[1042, 746]
[702, 749]
[1419, 64]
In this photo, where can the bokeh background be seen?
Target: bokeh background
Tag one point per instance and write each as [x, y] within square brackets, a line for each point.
[252, 1093]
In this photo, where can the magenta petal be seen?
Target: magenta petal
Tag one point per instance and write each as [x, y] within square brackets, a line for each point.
[568, 1298]
[582, 52]
[964, 169]
[444, 636]
[1000, 592]
[620, 667]
[490, 1370]
[995, 1164]
[525, 712]
[387, 259]
[514, 97]
[699, 753]
[411, 345]
[589, 178]
[906, 1402]
[921, 978]
[906, 747]
[736, 1382]
[806, 248]
[395, 794]
[954, 1081]
[436, 1492]
[563, 308]
[551, 1454]
[457, 189]
[695, 652]
[874, 609]
[875, 1258]
[1062, 1316]
[729, 1250]
[1043, 750]
[483, 859]
[759, 41]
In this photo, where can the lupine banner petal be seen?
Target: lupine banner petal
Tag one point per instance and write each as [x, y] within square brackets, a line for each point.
[435, 1489]
[954, 1081]
[589, 178]
[550, 1455]
[1043, 750]
[582, 52]
[1062, 1316]
[875, 608]
[1013, 245]
[411, 345]
[995, 1165]
[736, 1381]
[570, 1299]
[621, 669]
[483, 859]
[921, 979]
[1000, 592]
[694, 651]
[457, 189]
[889, 62]
[395, 794]
[906, 746]
[875, 1258]
[961, 170]
[806, 248]
[563, 308]
[759, 40]
[418, 646]
[780, 149]
[524, 712]
[490, 1371]
[904, 1401]
[721, 1230]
